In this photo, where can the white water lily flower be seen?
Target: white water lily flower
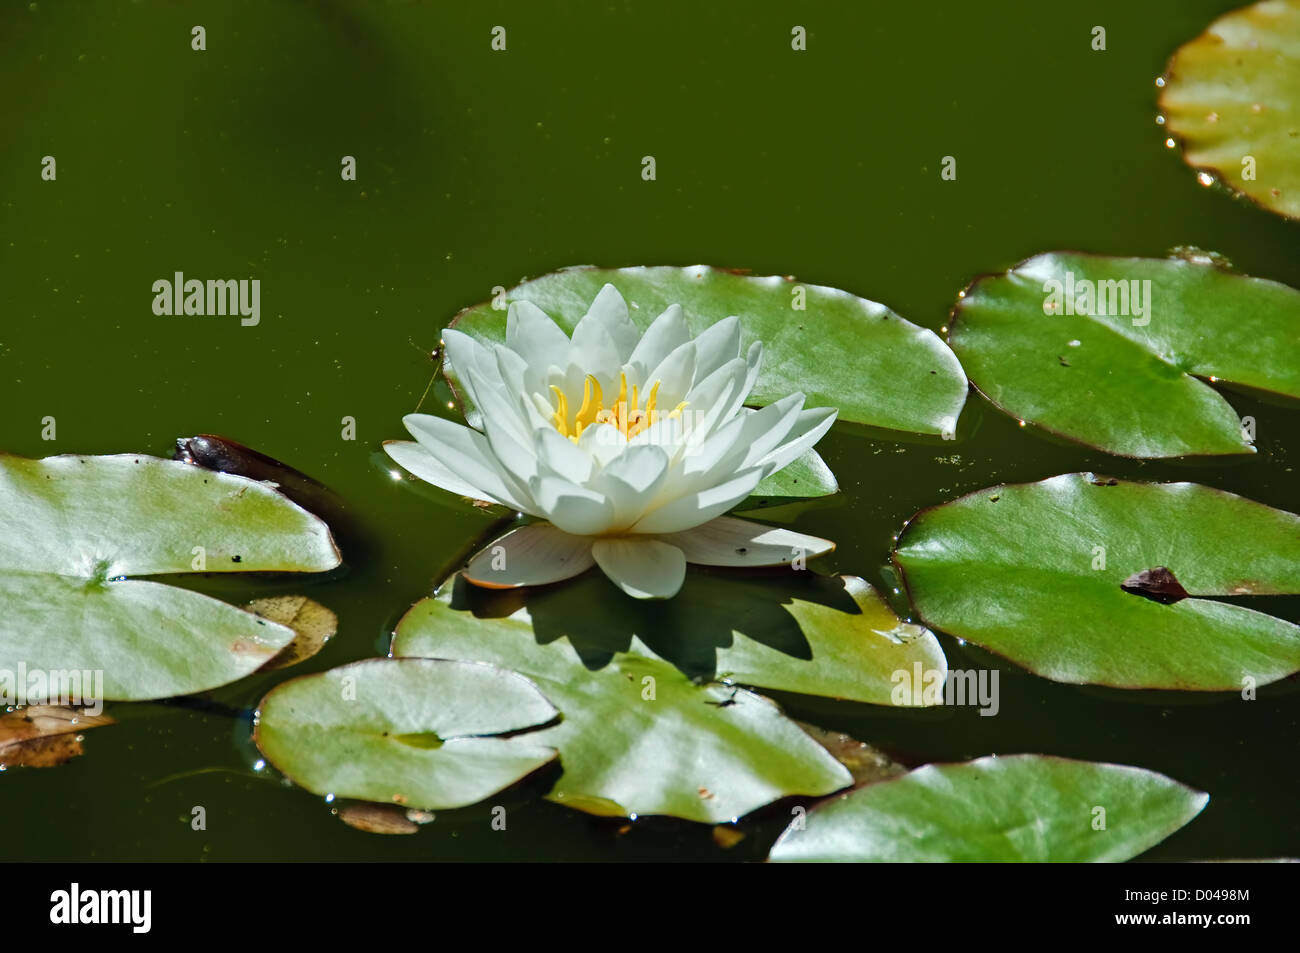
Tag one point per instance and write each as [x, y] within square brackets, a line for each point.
[630, 446]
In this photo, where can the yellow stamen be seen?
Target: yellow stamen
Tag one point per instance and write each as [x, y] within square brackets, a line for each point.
[628, 417]
[561, 417]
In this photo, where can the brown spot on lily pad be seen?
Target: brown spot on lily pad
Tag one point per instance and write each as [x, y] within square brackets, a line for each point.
[1158, 585]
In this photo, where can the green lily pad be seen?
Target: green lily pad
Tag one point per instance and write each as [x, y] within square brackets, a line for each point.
[841, 350]
[639, 734]
[808, 476]
[421, 733]
[1023, 808]
[1077, 578]
[73, 528]
[1230, 96]
[1107, 379]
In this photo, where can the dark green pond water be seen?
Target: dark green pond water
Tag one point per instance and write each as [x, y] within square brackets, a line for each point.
[478, 168]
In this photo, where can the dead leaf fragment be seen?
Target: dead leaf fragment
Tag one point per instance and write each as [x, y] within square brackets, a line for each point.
[1158, 585]
[43, 736]
[312, 622]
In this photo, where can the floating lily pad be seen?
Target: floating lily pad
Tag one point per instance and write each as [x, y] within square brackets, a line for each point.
[1230, 95]
[841, 350]
[639, 735]
[808, 476]
[1043, 573]
[1058, 342]
[420, 733]
[1023, 808]
[72, 529]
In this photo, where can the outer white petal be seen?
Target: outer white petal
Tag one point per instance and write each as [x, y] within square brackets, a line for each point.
[716, 346]
[609, 310]
[466, 453]
[754, 364]
[534, 336]
[809, 427]
[530, 556]
[665, 334]
[694, 509]
[643, 568]
[727, 541]
[572, 508]
[415, 459]
[512, 367]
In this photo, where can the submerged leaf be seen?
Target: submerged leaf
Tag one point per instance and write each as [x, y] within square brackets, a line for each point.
[313, 625]
[998, 809]
[42, 736]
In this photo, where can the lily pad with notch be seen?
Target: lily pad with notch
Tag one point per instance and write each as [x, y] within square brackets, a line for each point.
[648, 728]
[1100, 581]
[75, 530]
[419, 733]
[1119, 353]
[840, 350]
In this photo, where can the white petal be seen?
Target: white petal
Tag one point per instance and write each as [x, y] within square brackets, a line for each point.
[530, 556]
[466, 453]
[572, 508]
[675, 374]
[512, 367]
[632, 481]
[603, 441]
[534, 336]
[413, 458]
[727, 541]
[694, 509]
[562, 455]
[593, 351]
[609, 310]
[809, 427]
[643, 568]
[754, 364]
[716, 346]
[742, 442]
[667, 333]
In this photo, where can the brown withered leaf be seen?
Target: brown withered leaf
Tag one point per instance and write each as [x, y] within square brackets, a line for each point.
[382, 818]
[314, 624]
[43, 736]
[865, 763]
[1158, 585]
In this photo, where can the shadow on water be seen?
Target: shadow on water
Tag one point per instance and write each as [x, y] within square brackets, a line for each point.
[599, 620]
